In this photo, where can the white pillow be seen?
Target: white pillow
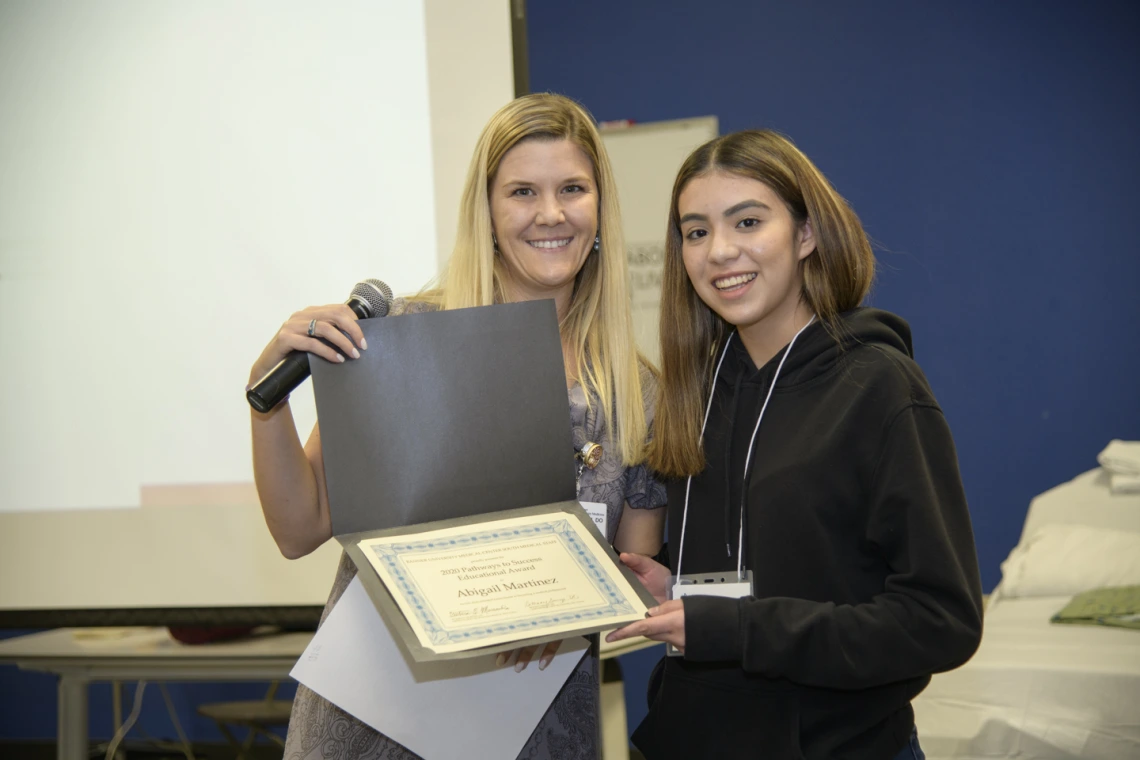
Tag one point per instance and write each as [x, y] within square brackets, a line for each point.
[1062, 560]
[1085, 500]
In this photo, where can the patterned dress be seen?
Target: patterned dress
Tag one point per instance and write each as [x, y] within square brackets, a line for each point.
[570, 729]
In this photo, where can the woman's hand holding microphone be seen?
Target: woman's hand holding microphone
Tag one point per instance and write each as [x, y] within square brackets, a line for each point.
[330, 332]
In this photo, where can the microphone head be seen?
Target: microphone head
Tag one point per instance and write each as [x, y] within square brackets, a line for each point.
[374, 295]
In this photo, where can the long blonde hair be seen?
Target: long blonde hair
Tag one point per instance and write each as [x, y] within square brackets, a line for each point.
[598, 326]
[836, 277]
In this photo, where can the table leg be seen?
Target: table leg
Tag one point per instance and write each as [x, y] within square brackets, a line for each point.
[72, 729]
[117, 713]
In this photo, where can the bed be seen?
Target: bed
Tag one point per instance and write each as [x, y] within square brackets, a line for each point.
[1036, 690]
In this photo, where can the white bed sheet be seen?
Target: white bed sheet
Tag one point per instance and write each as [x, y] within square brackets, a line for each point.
[1037, 691]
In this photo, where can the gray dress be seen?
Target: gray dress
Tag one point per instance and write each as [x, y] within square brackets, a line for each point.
[319, 730]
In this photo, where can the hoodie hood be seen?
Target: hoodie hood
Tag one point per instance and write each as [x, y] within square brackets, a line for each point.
[817, 351]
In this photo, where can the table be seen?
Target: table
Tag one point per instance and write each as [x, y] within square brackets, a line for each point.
[80, 656]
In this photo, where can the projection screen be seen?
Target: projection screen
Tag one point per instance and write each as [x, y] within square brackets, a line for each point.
[175, 180]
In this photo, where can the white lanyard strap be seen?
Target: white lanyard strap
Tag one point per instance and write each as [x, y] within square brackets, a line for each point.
[689, 482]
[747, 458]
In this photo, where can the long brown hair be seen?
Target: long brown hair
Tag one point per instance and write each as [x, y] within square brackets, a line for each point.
[598, 326]
[836, 277]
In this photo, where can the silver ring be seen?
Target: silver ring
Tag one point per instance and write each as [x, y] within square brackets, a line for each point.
[312, 327]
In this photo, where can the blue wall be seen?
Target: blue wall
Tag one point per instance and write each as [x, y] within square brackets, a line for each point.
[992, 151]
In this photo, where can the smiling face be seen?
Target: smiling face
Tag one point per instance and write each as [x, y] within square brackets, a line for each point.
[742, 251]
[544, 212]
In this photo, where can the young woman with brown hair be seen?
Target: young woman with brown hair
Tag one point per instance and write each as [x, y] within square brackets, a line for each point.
[817, 519]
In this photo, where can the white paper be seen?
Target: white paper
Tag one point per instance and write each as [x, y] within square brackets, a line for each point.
[439, 710]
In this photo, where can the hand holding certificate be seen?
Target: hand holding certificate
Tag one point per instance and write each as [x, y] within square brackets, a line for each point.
[502, 580]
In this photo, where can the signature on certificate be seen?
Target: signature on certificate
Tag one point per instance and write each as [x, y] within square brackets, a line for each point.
[553, 602]
[485, 610]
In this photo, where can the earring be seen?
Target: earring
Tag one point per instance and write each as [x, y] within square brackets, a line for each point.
[597, 243]
[494, 242]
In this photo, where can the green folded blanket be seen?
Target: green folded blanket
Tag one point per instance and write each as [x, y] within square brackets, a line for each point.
[1118, 606]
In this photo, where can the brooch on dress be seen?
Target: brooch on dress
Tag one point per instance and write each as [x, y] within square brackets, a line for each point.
[590, 454]
[588, 457]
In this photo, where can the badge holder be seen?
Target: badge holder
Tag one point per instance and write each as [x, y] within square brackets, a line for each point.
[728, 584]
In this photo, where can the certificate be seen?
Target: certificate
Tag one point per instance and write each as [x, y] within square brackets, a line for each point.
[504, 580]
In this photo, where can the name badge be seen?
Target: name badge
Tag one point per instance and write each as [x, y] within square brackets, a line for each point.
[727, 584]
[597, 512]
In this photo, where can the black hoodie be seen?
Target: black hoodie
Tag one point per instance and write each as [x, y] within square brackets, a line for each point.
[858, 537]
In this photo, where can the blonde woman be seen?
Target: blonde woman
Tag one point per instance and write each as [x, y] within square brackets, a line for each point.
[538, 220]
[813, 481]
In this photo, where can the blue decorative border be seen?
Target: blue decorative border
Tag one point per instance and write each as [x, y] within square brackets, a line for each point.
[388, 555]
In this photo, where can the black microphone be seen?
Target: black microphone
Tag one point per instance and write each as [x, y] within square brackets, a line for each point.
[370, 298]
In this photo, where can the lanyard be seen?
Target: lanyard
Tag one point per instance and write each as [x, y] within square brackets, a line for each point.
[747, 458]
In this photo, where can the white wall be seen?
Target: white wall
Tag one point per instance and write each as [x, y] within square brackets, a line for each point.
[468, 53]
[176, 179]
[645, 159]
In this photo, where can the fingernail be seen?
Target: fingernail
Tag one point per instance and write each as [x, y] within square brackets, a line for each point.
[339, 358]
[519, 667]
[364, 344]
[355, 354]
[500, 660]
[544, 662]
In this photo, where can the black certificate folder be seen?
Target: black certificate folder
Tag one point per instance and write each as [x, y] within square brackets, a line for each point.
[447, 415]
